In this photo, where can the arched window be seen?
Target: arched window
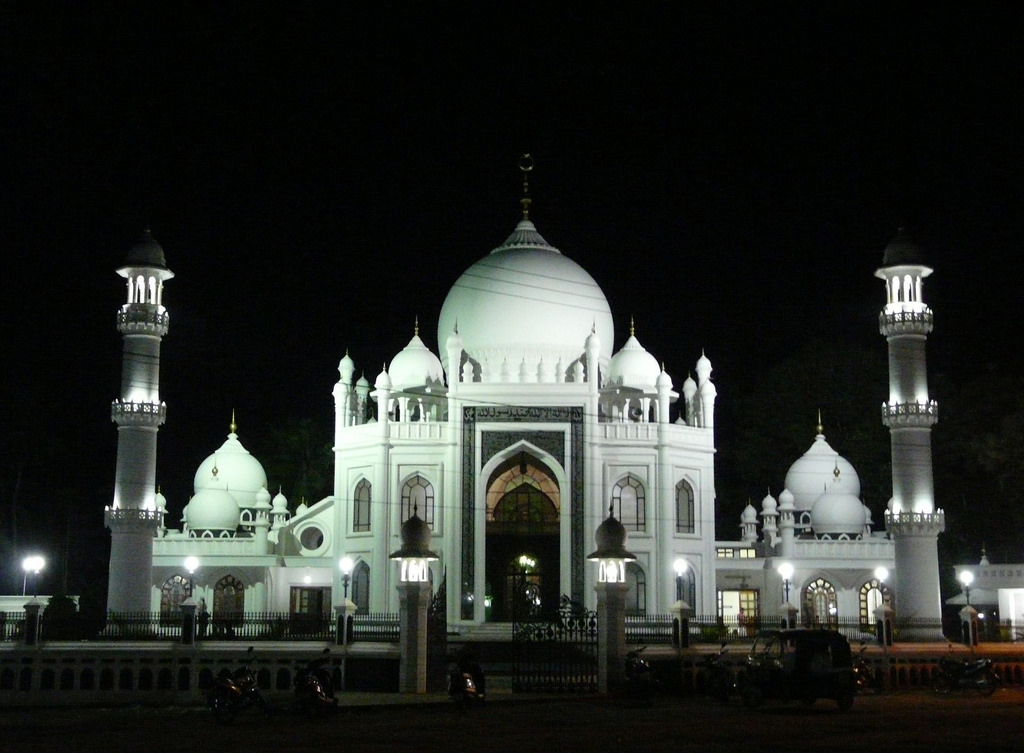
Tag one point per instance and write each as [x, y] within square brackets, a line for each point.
[908, 288]
[819, 604]
[172, 593]
[418, 496]
[684, 508]
[636, 596]
[873, 594]
[361, 587]
[228, 597]
[361, 507]
[628, 504]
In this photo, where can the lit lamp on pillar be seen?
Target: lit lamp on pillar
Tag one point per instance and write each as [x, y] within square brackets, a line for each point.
[968, 615]
[681, 609]
[191, 564]
[785, 570]
[346, 608]
[188, 606]
[883, 613]
[611, 557]
[31, 564]
[414, 560]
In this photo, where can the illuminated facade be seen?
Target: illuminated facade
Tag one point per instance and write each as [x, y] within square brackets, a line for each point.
[513, 445]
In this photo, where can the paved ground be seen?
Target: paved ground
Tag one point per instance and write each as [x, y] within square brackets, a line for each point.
[905, 721]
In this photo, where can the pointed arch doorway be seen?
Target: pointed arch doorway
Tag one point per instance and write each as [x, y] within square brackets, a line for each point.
[523, 557]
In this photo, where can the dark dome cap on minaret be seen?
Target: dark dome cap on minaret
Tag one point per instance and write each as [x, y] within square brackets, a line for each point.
[903, 250]
[146, 252]
[416, 538]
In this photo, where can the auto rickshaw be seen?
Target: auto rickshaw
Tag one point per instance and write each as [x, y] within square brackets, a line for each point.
[799, 665]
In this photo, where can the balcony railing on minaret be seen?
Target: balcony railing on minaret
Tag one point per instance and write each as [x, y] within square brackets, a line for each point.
[921, 414]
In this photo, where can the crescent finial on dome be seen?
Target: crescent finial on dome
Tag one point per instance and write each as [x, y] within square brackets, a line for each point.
[525, 166]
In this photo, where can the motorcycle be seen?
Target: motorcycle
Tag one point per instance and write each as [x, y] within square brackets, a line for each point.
[867, 678]
[718, 678]
[314, 686]
[639, 676]
[466, 683]
[233, 692]
[971, 674]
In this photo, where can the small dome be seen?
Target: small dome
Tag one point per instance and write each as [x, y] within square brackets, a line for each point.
[454, 342]
[363, 383]
[146, 252]
[610, 538]
[749, 514]
[212, 510]
[903, 251]
[263, 499]
[160, 502]
[786, 500]
[633, 366]
[383, 381]
[280, 502]
[664, 381]
[415, 366]
[812, 473]
[689, 387]
[703, 368]
[346, 368]
[416, 536]
[769, 505]
[231, 468]
[838, 511]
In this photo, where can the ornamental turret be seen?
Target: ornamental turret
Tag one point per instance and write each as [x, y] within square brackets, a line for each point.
[912, 519]
[133, 517]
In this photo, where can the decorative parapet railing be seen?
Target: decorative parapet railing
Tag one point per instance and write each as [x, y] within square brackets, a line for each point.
[135, 318]
[906, 322]
[418, 430]
[898, 415]
[129, 518]
[915, 523]
[127, 413]
[874, 548]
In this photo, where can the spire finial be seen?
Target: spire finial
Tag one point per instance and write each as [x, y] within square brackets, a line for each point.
[631, 327]
[416, 325]
[234, 426]
[820, 428]
[525, 166]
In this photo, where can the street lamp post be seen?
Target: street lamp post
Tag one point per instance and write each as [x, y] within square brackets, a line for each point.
[346, 565]
[785, 570]
[967, 578]
[31, 564]
[680, 567]
[191, 564]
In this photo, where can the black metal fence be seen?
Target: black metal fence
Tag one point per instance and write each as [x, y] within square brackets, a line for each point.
[246, 626]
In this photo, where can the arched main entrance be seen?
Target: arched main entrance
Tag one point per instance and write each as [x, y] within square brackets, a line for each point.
[522, 545]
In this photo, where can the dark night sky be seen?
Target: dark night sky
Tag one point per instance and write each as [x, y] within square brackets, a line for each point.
[319, 177]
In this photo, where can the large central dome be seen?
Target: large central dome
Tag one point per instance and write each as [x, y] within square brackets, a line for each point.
[525, 301]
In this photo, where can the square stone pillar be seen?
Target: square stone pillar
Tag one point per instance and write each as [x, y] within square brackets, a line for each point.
[414, 603]
[611, 635]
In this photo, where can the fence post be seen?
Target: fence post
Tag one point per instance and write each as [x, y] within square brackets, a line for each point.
[188, 621]
[883, 624]
[681, 612]
[33, 621]
[969, 625]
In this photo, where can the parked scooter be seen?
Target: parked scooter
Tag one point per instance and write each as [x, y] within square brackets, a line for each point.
[718, 677]
[466, 683]
[233, 692]
[314, 686]
[971, 674]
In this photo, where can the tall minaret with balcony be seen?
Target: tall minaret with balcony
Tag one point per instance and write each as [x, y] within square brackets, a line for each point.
[912, 520]
[133, 517]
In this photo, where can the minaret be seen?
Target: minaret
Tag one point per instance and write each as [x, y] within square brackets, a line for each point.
[912, 520]
[133, 517]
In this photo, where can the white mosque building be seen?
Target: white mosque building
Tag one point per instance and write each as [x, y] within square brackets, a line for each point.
[513, 443]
